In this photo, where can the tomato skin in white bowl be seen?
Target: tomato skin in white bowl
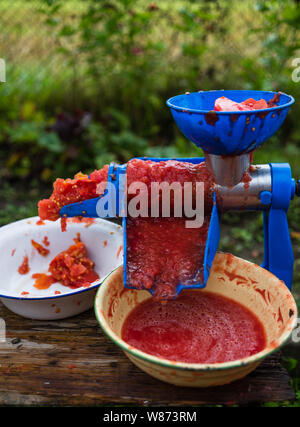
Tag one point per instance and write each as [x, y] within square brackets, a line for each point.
[103, 240]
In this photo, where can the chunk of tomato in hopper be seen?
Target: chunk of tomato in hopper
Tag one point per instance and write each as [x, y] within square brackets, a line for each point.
[73, 267]
[226, 104]
[255, 105]
[249, 102]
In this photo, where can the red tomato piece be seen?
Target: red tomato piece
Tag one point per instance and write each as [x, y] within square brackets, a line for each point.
[42, 280]
[226, 104]
[260, 105]
[41, 250]
[24, 267]
[70, 191]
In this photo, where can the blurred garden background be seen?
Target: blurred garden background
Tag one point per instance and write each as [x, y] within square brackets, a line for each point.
[87, 81]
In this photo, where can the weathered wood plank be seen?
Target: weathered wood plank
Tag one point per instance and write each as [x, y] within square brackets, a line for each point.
[71, 362]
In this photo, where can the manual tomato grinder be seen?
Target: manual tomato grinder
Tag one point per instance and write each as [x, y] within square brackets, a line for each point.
[228, 140]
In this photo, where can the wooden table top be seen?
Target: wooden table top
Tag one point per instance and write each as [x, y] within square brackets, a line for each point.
[71, 362]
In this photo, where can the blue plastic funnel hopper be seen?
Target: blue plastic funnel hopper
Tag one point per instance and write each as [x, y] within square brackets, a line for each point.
[228, 133]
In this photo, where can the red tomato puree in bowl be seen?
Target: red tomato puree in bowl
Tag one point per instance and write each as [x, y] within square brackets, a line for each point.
[197, 327]
[161, 252]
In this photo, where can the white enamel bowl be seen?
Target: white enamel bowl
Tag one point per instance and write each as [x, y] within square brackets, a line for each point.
[103, 240]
